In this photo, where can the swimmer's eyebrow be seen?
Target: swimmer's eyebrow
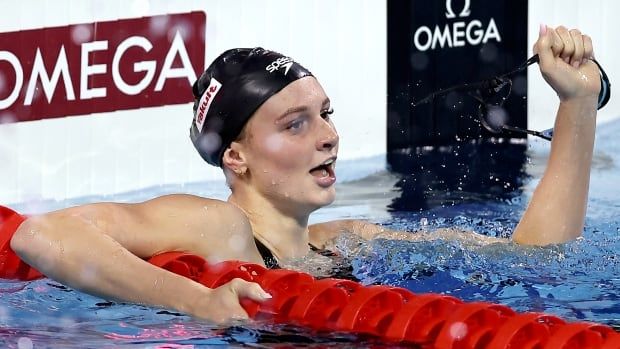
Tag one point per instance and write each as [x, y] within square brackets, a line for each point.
[300, 109]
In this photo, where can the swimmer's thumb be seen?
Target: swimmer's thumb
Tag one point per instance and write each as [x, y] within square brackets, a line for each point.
[252, 291]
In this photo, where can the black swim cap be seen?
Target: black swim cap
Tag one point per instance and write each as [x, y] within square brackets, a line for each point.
[229, 92]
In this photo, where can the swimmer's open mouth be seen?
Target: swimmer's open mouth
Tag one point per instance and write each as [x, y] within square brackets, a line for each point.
[326, 169]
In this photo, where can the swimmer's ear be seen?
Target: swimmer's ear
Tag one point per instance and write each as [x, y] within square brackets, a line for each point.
[234, 158]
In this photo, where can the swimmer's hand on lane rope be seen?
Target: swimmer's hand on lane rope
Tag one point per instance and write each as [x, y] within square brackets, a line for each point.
[221, 305]
[564, 61]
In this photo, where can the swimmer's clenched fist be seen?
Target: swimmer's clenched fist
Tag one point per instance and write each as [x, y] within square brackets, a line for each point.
[565, 63]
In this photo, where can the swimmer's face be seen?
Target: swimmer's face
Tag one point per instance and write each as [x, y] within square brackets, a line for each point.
[287, 141]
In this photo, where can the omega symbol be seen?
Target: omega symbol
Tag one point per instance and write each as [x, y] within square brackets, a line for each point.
[464, 13]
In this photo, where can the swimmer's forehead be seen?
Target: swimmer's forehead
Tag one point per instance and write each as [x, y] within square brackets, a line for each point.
[301, 95]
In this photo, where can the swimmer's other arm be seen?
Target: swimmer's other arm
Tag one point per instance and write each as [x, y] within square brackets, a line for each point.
[99, 248]
[557, 209]
[323, 234]
[556, 212]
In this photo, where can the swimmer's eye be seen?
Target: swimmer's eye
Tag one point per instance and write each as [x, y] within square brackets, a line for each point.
[295, 125]
[326, 113]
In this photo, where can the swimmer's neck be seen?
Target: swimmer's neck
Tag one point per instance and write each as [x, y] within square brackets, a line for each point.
[286, 235]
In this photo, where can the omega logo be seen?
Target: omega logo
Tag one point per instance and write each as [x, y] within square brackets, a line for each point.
[456, 32]
[464, 13]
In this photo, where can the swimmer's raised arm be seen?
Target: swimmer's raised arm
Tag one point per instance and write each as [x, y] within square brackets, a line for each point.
[99, 248]
[557, 209]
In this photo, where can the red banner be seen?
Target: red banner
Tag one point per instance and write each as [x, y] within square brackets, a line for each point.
[100, 67]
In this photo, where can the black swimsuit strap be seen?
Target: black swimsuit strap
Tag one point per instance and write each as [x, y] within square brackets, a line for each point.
[342, 272]
[270, 261]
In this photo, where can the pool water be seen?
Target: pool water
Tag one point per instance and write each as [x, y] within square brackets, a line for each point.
[579, 280]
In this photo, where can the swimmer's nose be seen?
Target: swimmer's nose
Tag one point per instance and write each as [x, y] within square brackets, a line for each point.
[328, 137]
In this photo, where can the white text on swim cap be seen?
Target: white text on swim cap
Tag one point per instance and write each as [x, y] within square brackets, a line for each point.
[205, 102]
[282, 62]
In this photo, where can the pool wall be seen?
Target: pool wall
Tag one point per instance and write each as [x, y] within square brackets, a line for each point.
[343, 43]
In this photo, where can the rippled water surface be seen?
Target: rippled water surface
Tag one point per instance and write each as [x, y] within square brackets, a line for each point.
[577, 280]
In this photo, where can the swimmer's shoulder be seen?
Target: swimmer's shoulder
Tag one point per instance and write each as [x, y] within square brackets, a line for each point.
[192, 209]
[211, 228]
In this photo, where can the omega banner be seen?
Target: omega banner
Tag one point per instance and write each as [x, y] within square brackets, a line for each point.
[440, 43]
[100, 67]
[436, 44]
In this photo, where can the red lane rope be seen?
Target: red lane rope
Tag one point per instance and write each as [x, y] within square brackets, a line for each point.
[391, 313]
[11, 267]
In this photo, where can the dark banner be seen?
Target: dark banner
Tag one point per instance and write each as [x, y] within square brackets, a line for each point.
[440, 148]
[100, 67]
[437, 44]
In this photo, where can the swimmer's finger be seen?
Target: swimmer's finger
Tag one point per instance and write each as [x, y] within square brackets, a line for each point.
[251, 290]
[557, 45]
[544, 46]
[588, 50]
[577, 56]
[567, 40]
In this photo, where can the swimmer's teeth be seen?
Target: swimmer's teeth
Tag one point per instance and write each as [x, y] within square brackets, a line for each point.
[324, 173]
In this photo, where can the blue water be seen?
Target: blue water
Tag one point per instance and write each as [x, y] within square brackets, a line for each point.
[579, 280]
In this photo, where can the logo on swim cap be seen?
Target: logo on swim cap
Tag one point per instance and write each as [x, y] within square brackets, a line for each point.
[282, 62]
[205, 102]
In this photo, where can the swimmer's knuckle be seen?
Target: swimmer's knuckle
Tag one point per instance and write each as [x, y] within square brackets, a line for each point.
[238, 282]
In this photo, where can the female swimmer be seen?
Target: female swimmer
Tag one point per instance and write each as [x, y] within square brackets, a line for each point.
[266, 121]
